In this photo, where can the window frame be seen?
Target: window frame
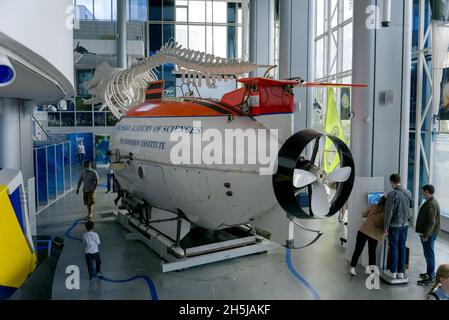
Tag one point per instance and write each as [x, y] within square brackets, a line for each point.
[238, 25]
[332, 62]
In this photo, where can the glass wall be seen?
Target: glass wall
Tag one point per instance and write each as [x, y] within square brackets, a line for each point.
[440, 135]
[53, 172]
[333, 55]
[76, 114]
[210, 26]
[203, 25]
[427, 129]
[106, 10]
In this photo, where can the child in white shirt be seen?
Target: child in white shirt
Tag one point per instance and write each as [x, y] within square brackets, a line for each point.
[91, 241]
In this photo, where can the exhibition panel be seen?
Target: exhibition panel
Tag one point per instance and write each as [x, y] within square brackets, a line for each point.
[53, 171]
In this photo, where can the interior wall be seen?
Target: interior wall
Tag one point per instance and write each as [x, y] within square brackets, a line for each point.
[41, 26]
[382, 60]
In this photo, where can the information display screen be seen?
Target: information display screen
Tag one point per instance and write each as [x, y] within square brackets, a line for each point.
[374, 197]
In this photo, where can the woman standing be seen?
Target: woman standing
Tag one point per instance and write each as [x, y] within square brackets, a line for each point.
[372, 231]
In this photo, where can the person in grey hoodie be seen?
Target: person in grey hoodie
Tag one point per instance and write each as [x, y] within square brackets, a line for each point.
[396, 224]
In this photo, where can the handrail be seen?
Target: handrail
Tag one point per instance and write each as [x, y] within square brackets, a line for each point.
[40, 126]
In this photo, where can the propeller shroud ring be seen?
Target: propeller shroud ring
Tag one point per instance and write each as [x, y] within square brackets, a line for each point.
[289, 158]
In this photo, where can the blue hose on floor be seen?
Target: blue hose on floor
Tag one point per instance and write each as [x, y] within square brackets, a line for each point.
[148, 281]
[69, 230]
[288, 261]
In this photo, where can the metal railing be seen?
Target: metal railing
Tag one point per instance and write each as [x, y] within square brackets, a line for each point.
[107, 30]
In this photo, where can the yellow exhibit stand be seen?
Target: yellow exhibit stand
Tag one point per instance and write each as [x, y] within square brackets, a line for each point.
[17, 260]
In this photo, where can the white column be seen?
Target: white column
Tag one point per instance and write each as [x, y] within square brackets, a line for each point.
[122, 34]
[261, 33]
[406, 76]
[296, 54]
[245, 29]
[381, 59]
[419, 105]
[363, 72]
[9, 133]
[16, 138]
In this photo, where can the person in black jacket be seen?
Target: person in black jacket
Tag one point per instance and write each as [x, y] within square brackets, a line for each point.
[428, 227]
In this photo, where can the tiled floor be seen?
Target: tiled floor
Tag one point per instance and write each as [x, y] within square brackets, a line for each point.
[264, 276]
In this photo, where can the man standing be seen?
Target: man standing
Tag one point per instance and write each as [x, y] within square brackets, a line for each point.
[81, 152]
[110, 178]
[399, 202]
[428, 227]
[89, 179]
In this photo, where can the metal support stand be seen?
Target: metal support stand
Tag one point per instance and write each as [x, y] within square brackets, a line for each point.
[178, 231]
[383, 273]
[180, 250]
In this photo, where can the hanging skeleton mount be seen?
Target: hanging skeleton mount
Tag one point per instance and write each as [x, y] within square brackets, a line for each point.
[119, 90]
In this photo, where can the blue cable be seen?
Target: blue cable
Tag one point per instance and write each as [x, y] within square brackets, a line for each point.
[148, 281]
[69, 230]
[288, 261]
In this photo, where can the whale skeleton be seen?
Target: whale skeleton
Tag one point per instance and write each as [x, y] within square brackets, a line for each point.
[119, 90]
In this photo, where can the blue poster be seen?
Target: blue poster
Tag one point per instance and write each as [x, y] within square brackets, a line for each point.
[88, 141]
[101, 149]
